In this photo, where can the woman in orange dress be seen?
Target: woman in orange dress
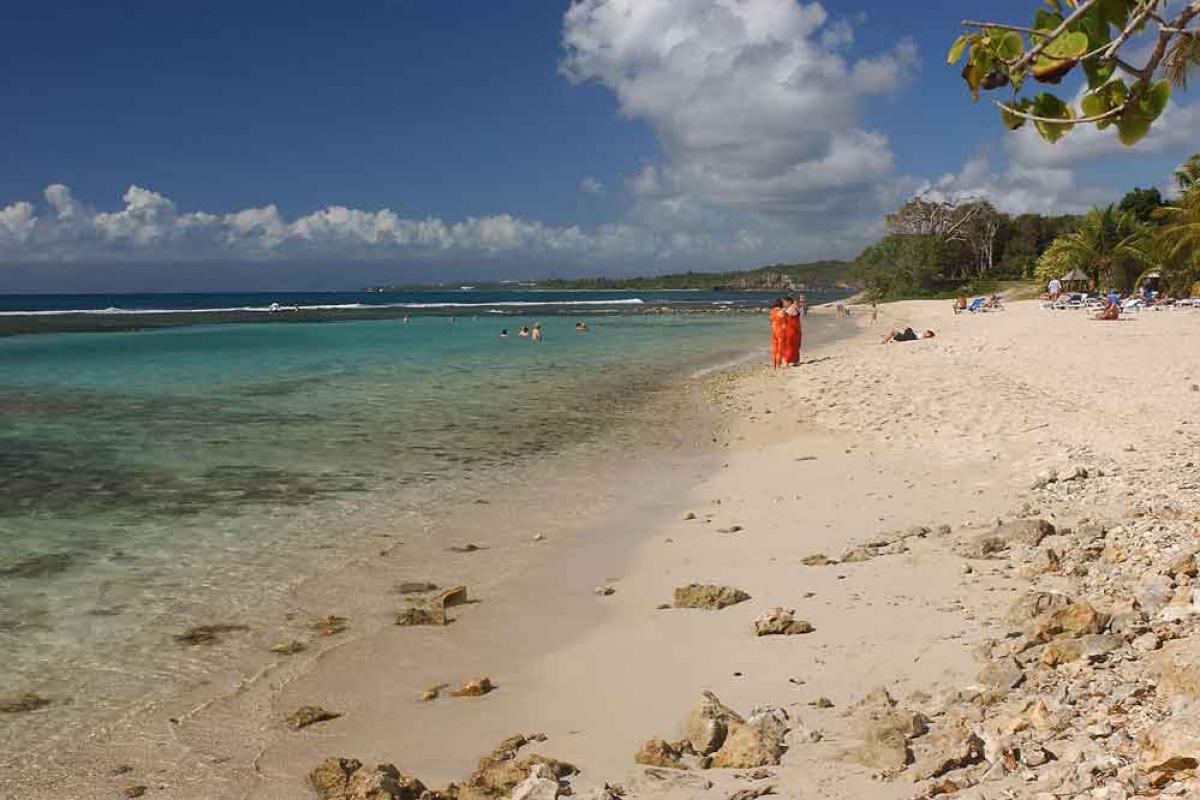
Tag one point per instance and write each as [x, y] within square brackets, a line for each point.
[791, 332]
[778, 334]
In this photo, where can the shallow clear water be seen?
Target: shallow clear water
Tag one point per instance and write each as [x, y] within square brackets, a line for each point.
[145, 476]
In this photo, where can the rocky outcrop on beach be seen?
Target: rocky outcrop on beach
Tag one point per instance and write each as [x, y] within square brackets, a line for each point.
[1090, 687]
[708, 596]
[501, 774]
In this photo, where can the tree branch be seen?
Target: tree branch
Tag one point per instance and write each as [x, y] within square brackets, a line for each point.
[1035, 51]
[1112, 112]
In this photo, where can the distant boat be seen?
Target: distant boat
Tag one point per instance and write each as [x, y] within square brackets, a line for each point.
[467, 288]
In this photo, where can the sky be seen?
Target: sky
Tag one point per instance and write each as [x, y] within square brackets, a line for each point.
[308, 145]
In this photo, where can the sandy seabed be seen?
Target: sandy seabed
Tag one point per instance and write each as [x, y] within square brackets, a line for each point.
[907, 453]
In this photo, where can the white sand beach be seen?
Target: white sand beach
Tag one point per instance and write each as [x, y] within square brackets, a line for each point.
[889, 459]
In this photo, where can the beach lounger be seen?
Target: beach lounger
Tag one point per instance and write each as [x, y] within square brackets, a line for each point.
[976, 305]
[1131, 304]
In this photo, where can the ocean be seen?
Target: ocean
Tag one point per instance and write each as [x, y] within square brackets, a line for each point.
[183, 457]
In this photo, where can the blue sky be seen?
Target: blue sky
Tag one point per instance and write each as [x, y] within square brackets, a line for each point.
[303, 144]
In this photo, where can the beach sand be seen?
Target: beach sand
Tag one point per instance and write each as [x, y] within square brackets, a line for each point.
[916, 446]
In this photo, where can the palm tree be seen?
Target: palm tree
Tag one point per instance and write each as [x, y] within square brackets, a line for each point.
[1105, 236]
[1179, 238]
[1188, 173]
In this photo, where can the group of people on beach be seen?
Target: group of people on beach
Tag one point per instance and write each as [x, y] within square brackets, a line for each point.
[786, 332]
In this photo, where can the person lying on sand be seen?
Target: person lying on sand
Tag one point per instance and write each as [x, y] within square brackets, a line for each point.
[960, 304]
[906, 335]
[1112, 311]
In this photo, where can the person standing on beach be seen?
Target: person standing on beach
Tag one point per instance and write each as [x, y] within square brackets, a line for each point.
[792, 332]
[778, 330]
[874, 312]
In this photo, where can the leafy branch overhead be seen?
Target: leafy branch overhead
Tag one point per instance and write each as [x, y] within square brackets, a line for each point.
[1092, 36]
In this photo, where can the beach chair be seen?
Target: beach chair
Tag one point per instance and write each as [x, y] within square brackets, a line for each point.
[976, 305]
[1131, 304]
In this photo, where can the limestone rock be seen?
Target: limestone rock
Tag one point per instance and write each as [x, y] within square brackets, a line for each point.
[309, 715]
[757, 743]
[708, 724]
[781, 621]
[348, 779]
[1183, 565]
[1177, 668]
[1174, 745]
[1073, 621]
[885, 731]
[659, 753]
[289, 648]
[708, 596]
[1091, 646]
[1002, 675]
[1032, 605]
[540, 785]
[817, 560]
[857, 555]
[500, 772]
[653, 781]
[950, 747]
[1026, 532]
[475, 688]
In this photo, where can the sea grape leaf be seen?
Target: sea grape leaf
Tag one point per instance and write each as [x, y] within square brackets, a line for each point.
[1013, 121]
[1047, 105]
[956, 49]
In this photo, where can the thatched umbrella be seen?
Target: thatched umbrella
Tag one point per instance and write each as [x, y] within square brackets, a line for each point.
[1075, 276]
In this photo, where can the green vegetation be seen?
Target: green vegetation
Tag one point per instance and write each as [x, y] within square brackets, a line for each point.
[812, 275]
[940, 248]
[1128, 84]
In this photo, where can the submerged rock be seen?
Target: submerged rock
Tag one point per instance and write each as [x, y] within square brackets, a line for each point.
[420, 615]
[781, 621]
[22, 702]
[414, 587]
[328, 625]
[309, 715]
[39, 566]
[208, 634]
[288, 648]
[708, 596]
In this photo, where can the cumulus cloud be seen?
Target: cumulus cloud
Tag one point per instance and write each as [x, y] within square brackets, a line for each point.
[590, 185]
[149, 226]
[755, 104]
[1017, 189]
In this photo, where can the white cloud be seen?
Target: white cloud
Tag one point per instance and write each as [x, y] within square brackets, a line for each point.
[1178, 127]
[1018, 189]
[756, 105]
[149, 226]
[590, 185]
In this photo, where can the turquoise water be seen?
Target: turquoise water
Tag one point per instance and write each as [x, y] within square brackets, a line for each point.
[146, 476]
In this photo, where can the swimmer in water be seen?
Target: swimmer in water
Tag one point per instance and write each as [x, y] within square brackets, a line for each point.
[537, 331]
[406, 319]
[504, 333]
[524, 331]
[581, 326]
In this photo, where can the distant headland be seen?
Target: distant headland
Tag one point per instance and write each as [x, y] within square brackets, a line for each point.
[810, 276]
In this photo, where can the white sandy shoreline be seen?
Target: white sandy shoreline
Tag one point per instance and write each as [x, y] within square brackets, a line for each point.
[862, 439]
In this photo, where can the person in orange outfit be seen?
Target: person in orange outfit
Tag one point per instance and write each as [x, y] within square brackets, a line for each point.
[792, 332]
[778, 334]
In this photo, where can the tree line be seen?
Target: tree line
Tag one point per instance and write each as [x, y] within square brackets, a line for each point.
[940, 247]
